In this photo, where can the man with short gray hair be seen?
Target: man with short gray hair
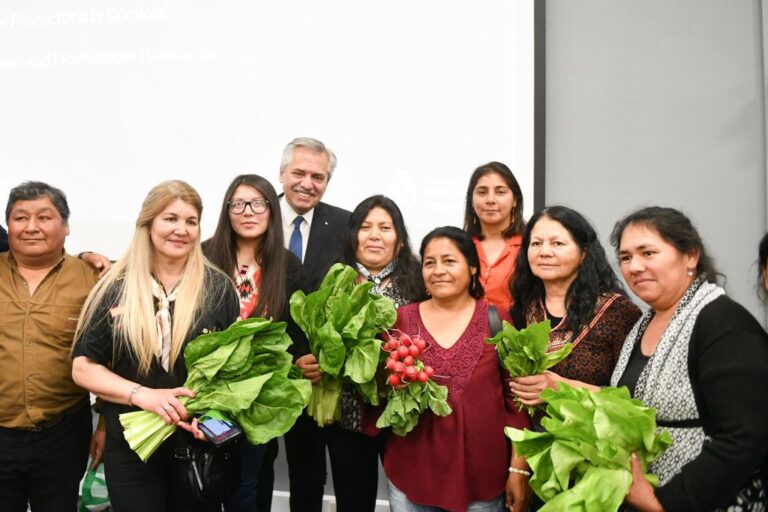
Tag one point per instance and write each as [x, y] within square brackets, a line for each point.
[45, 419]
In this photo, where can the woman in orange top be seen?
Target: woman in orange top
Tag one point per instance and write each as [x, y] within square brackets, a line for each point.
[493, 216]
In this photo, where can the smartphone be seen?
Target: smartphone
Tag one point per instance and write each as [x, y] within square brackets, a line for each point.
[219, 432]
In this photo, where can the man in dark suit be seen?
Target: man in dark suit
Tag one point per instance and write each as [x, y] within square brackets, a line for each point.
[305, 170]
[313, 231]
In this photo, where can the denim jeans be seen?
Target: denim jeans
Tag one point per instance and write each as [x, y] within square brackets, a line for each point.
[399, 502]
[244, 500]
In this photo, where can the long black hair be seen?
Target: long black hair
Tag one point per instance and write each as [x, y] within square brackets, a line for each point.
[594, 276]
[221, 248]
[674, 228]
[407, 274]
[472, 223]
[463, 242]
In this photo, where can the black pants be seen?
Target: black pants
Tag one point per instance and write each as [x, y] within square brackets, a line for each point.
[266, 479]
[44, 468]
[149, 486]
[355, 469]
[354, 464]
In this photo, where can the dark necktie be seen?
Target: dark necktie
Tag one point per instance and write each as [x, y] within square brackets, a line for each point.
[295, 244]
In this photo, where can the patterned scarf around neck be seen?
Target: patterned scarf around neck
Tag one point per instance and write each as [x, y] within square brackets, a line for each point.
[378, 278]
[163, 321]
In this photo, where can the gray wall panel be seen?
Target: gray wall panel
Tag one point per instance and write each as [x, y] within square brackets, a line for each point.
[661, 103]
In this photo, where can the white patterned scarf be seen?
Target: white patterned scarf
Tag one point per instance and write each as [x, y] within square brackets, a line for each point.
[665, 383]
[164, 322]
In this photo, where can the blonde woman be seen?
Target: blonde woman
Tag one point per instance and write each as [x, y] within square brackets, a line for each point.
[131, 336]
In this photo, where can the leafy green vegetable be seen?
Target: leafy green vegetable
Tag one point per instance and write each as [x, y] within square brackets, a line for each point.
[582, 460]
[404, 406]
[341, 320]
[524, 352]
[243, 373]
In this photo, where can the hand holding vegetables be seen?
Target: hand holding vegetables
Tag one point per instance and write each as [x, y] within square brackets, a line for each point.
[582, 461]
[528, 389]
[243, 373]
[341, 320]
[524, 353]
[310, 368]
[641, 495]
[411, 390]
[163, 402]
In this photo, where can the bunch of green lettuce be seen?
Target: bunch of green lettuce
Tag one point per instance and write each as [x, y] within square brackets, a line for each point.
[524, 352]
[405, 405]
[342, 320]
[243, 374]
[582, 460]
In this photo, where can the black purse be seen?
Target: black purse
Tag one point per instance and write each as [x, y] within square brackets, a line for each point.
[206, 473]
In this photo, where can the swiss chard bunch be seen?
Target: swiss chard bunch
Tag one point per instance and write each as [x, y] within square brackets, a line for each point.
[244, 374]
[581, 462]
[524, 352]
[342, 320]
[411, 390]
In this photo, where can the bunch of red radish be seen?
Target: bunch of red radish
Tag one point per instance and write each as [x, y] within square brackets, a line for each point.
[403, 361]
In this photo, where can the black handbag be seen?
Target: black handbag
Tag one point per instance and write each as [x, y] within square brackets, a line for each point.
[206, 473]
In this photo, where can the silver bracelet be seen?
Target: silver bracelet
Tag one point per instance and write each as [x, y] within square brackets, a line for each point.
[132, 392]
[519, 471]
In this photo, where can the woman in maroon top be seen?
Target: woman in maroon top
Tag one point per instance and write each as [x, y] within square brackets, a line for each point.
[458, 462]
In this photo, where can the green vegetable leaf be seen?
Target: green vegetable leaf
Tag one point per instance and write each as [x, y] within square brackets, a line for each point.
[332, 352]
[244, 373]
[341, 320]
[524, 352]
[362, 361]
[279, 405]
[232, 396]
[405, 406]
[582, 461]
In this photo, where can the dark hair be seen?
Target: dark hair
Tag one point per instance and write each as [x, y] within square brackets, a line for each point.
[676, 229]
[472, 223]
[30, 190]
[221, 248]
[762, 261]
[466, 247]
[407, 274]
[594, 278]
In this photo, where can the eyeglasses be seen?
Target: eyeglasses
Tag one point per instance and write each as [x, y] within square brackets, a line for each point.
[238, 205]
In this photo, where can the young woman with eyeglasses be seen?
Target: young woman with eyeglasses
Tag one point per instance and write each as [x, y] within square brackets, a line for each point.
[248, 246]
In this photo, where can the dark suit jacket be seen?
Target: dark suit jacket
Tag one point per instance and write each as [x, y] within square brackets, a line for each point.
[325, 235]
[3, 240]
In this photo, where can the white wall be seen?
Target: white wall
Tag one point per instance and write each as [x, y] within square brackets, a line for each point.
[105, 98]
[661, 102]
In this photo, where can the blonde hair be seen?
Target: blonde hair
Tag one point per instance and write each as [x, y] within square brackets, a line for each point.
[136, 328]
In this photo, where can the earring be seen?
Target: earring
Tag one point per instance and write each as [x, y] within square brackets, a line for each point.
[690, 273]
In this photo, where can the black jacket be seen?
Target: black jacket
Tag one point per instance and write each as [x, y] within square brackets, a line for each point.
[325, 238]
